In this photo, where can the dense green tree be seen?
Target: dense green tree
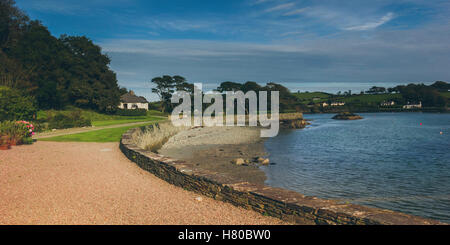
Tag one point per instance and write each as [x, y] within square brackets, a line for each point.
[441, 86]
[12, 22]
[250, 86]
[428, 95]
[376, 90]
[288, 102]
[95, 84]
[14, 105]
[229, 86]
[56, 71]
[123, 90]
[166, 85]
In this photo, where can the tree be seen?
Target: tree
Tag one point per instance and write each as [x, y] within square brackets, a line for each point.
[428, 95]
[287, 100]
[229, 86]
[392, 90]
[123, 90]
[441, 86]
[12, 23]
[250, 86]
[14, 105]
[90, 73]
[166, 86]
[376, 90]
[56, 71]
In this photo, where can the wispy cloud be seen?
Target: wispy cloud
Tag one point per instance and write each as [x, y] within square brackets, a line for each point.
[56, 7]
[295, 12]
[256, 2]
[263, 40]
[280, 7]
[390, 56]
[72, 7]
[371, 25]
[181, 25]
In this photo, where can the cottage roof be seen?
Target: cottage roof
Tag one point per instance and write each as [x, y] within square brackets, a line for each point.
[130, 97]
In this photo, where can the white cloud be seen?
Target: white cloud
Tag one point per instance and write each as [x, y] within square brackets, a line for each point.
[193, 48]
[181, 25]
[371, 25]
[401, 56]
[295, 12]
[280, 7]
[71, 7]
[256, 2]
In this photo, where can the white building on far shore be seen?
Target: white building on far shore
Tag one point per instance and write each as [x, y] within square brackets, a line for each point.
[337, 103]
[388, 103]
[413, 106]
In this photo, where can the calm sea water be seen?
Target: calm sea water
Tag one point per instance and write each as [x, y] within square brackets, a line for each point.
[387, 160]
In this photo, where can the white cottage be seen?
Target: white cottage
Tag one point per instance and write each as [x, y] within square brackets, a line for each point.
[388, 103]
[413, 106]
[131, 101]
[337, 103]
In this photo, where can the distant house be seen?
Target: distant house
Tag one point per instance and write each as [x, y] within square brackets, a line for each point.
[316, 98]
[388, 103]
[337, 103]
[413, 106]
[131, 101]
[325, 104]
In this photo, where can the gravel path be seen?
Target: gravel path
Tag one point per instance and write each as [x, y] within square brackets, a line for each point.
[93, 183]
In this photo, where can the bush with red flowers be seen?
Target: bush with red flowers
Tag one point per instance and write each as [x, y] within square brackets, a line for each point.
[15, 133]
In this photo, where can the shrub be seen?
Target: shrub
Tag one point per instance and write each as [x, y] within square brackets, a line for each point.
[61, 120]
[16, 106]
[16, 133]
[131, 113]
[40, 126]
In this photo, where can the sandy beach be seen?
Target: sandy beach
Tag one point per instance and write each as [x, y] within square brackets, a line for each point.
[94, 183]
[214, 148]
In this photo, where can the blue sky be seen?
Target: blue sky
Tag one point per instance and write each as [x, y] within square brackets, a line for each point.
[327, 45]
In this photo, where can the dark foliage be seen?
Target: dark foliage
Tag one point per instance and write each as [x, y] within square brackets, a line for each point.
[166, 86]
[14, 105]
[376, 90]
[62, 120]
[428, 95]
[57, 71]
[131, 113]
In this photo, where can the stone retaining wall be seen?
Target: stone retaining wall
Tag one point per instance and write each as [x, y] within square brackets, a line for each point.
[284, 204]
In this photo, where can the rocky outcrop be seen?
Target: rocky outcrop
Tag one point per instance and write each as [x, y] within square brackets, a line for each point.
[293, 121]
[347, 116]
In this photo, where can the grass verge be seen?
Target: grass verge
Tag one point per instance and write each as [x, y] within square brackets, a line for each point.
[124, 121]
[101, 136]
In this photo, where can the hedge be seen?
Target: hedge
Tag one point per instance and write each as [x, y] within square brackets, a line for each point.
[131, 113]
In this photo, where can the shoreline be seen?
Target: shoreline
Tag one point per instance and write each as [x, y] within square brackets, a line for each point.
[205, 155]
[383, 111]
[199, 146]
[284, 204]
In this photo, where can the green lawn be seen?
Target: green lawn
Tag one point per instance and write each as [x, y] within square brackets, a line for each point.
[370, 98]
[124, 121]
[356, 98]
[99, 119]
[312, 95]
[103, 135]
